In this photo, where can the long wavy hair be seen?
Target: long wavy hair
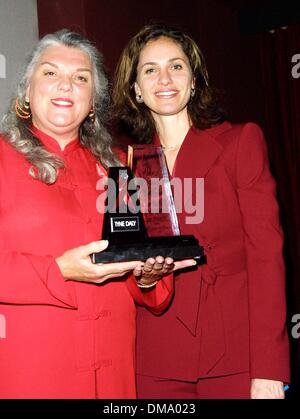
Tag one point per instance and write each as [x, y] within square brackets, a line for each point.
[93, 135]
[203, 109]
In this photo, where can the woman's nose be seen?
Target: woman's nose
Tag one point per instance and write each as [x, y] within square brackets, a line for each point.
[164, 77]
[65, 83]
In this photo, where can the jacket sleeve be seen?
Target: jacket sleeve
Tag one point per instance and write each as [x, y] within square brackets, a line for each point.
[30, 279]
[155, 299]
[269, 352]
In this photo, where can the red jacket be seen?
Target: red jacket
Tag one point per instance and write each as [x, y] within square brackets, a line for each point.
[62, 339]
[227, 316]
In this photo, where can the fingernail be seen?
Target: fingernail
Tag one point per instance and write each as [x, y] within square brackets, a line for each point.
[104, 243]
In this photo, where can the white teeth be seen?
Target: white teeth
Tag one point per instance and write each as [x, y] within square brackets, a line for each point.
[166, 93]
[62, 102]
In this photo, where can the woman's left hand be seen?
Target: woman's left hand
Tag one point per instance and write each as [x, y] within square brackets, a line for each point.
[155, 269]
[266, 389]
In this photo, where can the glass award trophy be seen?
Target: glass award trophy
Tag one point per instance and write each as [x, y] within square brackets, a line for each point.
[140, 219]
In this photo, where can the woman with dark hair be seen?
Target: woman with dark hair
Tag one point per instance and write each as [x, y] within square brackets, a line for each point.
[224, 334]
[69, 324]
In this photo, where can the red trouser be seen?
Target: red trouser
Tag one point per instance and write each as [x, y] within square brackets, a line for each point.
[235, 386]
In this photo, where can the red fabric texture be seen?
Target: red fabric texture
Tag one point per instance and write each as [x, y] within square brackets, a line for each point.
[64, 339]
[228, 316]
[235, 386]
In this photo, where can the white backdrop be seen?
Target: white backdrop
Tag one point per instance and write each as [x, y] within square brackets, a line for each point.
[18, 34]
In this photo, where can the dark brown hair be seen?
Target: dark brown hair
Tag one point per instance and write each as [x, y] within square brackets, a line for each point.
[203, 109]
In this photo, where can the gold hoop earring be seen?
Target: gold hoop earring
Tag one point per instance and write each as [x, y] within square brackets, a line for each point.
[139, 99]
[23, 111]
[91, 115]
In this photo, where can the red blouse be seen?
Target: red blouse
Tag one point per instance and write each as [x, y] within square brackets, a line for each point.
[62, 339]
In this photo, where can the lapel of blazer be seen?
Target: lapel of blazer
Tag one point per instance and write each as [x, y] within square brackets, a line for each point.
[199, 151]
[197, 155]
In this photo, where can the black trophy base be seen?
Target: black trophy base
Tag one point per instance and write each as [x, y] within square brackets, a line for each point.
[176, 247]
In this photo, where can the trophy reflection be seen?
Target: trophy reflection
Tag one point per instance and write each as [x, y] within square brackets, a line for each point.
[140, 219]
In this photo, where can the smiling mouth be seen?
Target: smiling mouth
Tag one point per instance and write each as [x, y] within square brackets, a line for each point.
[64, 103]
[166, 94]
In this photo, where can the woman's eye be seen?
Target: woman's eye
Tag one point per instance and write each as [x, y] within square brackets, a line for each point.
[81, 78]
[49, 73]
[150, 70]
[177, 67]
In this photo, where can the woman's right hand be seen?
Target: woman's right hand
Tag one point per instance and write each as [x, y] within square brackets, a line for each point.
[75, 264]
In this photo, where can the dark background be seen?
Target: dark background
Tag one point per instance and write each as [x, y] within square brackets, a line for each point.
[248, 47]
[214, 25]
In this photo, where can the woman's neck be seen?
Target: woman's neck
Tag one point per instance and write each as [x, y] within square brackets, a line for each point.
[61, 136]
[172, 130]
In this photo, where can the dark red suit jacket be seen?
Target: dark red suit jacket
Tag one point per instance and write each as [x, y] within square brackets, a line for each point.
[227, 316]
